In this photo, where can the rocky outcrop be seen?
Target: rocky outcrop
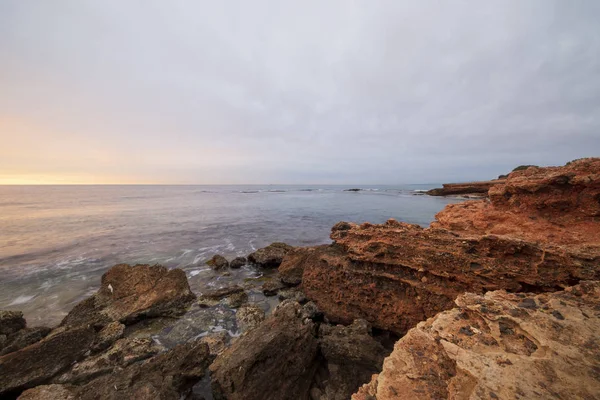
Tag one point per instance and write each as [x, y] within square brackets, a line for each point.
[35, 364]
[395, 275]
[292, 266]
[130, 293]
[270, 256]
[468, 188]
[276, 360]
[499, 346]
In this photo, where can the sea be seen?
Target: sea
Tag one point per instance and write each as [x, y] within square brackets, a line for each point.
[57, 241]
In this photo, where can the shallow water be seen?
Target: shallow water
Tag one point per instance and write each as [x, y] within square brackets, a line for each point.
[56, 241]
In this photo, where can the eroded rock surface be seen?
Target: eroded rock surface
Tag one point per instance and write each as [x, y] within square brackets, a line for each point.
[499, 346]
[270, 256]
[468, 188]
[130, 293]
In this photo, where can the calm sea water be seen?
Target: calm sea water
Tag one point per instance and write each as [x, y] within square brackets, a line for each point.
[56, 241]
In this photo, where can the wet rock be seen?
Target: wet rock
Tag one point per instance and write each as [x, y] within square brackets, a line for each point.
[218, 262]
[249, 317]
[11, 322]
[252, 368]
[270, 256]
[236, 300]
[506, 357]
[37, 363]
[48, 392]
[351, 355]
[217, 342]
[270, 288]
[167, 376]
[108, 335]
[292, 266]
[123, 353]
[23, 338]
[294, 294]
[198, 323]
[213, 297]
[238, 262]
[128, 294]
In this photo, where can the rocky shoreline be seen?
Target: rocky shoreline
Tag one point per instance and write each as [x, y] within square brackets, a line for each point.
[499, 298]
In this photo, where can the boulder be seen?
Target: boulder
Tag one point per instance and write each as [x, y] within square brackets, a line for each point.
[271, 287]
[130, 293]
[218, 262]
[236, 300]
[270, 256]
[213, 297]
[276, 360]
[23, 338]
[37, 363]
[499, 346]
[351, 357]
[11, 322]
[168, 376]
[238, 262]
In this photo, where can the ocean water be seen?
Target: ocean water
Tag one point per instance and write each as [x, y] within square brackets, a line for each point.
[56, 241]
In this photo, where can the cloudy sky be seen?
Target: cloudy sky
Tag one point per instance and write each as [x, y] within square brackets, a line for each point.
[294, 91]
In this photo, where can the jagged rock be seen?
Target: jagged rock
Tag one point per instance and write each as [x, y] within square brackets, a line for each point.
[468, 188]
[238, 262]
[11, 322]
[123, 353]
[213, 297]
[274, 361]
[249, 317]
[108, 335]
[218, 262]
[168, 376]
[217, 342]
[23, 338]
[351, 356]
[48, 392]
[270, 288]
[490, 347]
[270, 256]
[395, 274]
[292, 266]
[37, 363]
[128, 294]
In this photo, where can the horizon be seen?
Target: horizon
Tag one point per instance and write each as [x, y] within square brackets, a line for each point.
[336, 93]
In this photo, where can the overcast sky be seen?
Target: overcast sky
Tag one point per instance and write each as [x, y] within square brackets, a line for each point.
[295, 91]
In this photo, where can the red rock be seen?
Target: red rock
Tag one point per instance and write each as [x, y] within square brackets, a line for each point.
[466, 188]
[499, 346]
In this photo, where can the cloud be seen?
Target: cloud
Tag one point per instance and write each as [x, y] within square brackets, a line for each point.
[298, 92]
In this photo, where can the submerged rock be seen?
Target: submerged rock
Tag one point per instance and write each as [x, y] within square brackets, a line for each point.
[213, 297]
[276, 360]
[271, 287]
[238, 262]
[218, 262]
[128, 294]
[270, 256]
[491, 348]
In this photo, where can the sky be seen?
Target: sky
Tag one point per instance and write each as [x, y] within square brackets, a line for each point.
[267, 92]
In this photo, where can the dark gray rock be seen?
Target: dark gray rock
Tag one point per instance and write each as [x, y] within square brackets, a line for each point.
[270, 256]
[238, 262]
[218, 262]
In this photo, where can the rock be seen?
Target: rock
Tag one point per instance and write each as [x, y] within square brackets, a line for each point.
[352, 356]
[270, 288]
[217, 342]
[23, 338]
[213, 297]
[123, 353]
[236, 300]
[510, 352]
[353, 190]
[276, 360]
[270, 256]
[128, 294]
[292, 266]
[48, 392]
[294, 294]
[11, 322]
[168, 376]
[237, 262]
[249, 317]
[218, 262]
[108, 335]
[37, 363]
[469, 188]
